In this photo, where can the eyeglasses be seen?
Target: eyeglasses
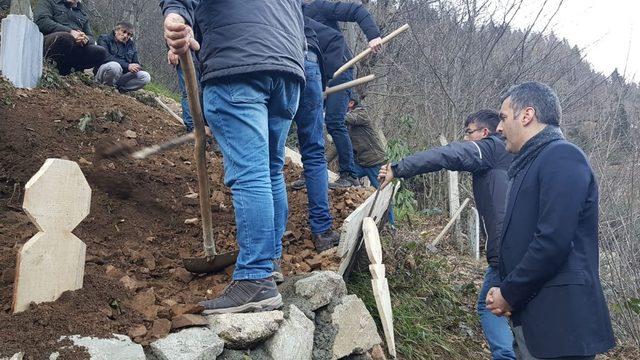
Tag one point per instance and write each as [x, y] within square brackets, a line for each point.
[469, 131]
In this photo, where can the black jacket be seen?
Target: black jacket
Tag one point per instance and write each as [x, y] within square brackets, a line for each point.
[330, 13]
[328, 44]
[549, 256]
[487, 160]
[56, 15]
[123, 54]
[240, 37]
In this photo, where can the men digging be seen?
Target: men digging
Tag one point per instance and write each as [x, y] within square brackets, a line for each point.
[122, 68]
[251, 86]
[68, 39]
[329, 13]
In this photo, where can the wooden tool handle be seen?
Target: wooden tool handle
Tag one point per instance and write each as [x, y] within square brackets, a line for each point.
[170, 144]
[367, 51]
[191, 83]
[349, 84]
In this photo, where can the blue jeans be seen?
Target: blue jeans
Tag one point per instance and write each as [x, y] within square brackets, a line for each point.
[496, 329]
[336, 110]
[372, 174]
[184, 100]
[309, 124]
[250, 116]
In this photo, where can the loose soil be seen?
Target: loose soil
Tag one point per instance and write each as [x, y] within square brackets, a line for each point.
[136, 232]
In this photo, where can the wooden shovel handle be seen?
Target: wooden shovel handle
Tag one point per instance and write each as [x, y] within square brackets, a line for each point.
[367, 51]
[191, 84]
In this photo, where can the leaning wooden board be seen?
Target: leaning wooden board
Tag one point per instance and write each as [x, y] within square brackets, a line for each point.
[351, 230]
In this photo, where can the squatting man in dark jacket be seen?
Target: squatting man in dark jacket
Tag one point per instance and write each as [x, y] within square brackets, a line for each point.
[485, 157]
[121, 68]
[68, 39]
[548, 257]
[250, 91]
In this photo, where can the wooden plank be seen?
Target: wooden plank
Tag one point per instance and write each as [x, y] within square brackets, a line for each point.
[378, 271]
[450, 223]
[351, 229]
[296, 158]
[383, 303]
[474, 233]
[57, 199]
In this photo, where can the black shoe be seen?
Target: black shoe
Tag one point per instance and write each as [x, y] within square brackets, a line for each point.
[298, 185]
[344, 181]
[245, 296]
[276, 274]
[326, 240]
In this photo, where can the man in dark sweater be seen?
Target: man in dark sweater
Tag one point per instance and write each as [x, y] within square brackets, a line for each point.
[485, 157]
[68, 39]
[121, 68]
[250, 90]
[329, 13]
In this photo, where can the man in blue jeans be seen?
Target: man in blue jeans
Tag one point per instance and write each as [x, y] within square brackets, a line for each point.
[329, 13]
[251, 86]
[325, 46]
[485, 157]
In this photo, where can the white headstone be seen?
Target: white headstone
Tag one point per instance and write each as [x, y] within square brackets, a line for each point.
[21, 51]
[56, 199]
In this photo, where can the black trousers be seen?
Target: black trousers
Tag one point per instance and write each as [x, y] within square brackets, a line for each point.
[61, 47]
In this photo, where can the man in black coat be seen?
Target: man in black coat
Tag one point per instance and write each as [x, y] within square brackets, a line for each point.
[68, 39]
[329, 13]
[121, 68]
[252, 70]
[549, 245]
[485, 157]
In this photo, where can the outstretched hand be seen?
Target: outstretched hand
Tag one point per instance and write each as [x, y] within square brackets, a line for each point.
[179, 36]
[385, 176]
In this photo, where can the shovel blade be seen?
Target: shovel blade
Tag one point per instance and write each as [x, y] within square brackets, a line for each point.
[212, 264]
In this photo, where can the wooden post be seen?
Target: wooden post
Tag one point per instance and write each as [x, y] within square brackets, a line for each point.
[379, 281]
[454, 197]
[474, 233]
[56, 199]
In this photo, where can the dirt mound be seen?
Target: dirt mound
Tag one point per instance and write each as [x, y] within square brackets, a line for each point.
[136, 232]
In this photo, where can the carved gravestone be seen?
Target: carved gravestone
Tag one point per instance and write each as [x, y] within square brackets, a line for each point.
[57, 199]
[21, 51]
[379, 281]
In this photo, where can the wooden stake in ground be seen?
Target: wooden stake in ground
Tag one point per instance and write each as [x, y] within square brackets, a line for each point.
[453, 219]
[379, 281]
[454, 197]
[474, 233]
[56, 199]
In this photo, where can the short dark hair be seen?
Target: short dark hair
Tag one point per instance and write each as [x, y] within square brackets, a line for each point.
[125, 25]
[540, 97]
[485, 118]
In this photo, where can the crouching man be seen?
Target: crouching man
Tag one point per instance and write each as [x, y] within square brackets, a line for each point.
[121, 68]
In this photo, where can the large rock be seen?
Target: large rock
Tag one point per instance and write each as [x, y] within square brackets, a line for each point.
[188, 344]
[320, 288]
[120, 347]
[356, 330]
[21, 51]
[294, 340]
[243, 331]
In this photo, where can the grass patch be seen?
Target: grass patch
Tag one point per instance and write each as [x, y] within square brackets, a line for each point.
[160, 89]
[433, 315]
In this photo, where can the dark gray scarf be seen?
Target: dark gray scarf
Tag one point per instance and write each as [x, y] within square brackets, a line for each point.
[532, 148]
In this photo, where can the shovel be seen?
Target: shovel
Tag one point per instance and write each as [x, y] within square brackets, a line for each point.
[213, 261]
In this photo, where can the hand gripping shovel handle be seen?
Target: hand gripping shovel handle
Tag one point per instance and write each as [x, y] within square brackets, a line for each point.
[191, 83]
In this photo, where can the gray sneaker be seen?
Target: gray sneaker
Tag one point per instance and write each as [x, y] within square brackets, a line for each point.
[298, 185]
[344, 181]
[245, 296]
[326, 240]
[276, 274]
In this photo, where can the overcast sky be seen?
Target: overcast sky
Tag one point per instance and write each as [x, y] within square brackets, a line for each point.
[609, 30]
